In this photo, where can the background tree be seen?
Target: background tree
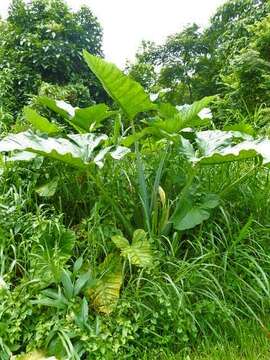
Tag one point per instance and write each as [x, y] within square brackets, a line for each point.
[241, 55]
[172, 65]
[43, 41]
[223, 59]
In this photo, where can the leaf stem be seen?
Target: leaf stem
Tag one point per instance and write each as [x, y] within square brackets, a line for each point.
[112, 202]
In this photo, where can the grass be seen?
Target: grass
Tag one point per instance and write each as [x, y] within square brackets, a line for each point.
[206, 297]
[248, 342]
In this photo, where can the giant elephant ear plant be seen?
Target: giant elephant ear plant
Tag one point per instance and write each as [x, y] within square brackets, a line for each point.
[176, 125]
[165, 121]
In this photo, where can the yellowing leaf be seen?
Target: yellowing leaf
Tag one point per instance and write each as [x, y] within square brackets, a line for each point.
[120, 242]
[105, 293]
[35, 355]
[139, 252]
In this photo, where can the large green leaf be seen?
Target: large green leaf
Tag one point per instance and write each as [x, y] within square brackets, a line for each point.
[167, 111]
[173, 120]
[78, 150]
[139, 252]
[214, 147]
[82, 119]
[39, 122]
[86, 118]
[129, 94]
[191, 212]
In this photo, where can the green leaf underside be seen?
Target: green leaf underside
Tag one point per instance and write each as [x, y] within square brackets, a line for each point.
[192, 112]
[78, 150]
[214, 147]
[54, 105]
[84, 118]
[127, 93]
[190, 213]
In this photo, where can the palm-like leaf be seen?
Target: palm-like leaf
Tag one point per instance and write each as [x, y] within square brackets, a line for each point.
[51, 250]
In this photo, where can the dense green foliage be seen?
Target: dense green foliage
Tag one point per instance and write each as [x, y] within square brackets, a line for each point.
[42, 42]
[139, 228]
[225, 59]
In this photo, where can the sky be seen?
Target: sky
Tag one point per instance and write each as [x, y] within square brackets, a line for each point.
[127, 22]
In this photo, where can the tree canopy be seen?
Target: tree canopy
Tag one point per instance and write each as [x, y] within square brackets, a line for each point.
[221, 59]
[43, 41]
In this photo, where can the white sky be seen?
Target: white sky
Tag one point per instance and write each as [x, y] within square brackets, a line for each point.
[127, 22]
